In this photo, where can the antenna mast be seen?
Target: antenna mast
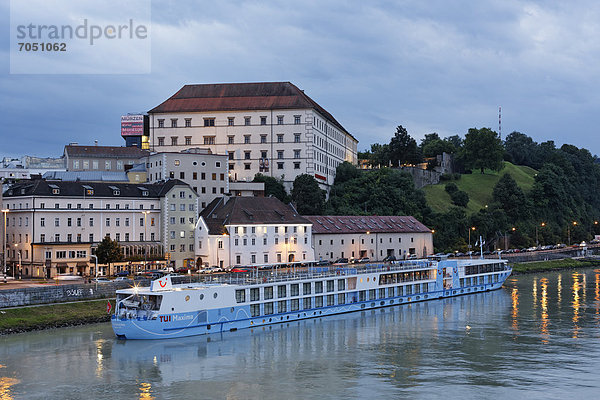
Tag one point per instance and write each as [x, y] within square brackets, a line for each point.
[500, 122]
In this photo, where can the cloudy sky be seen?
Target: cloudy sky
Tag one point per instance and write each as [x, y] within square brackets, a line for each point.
[431, 66]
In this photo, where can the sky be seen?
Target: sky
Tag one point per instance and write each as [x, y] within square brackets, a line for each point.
[432, 66]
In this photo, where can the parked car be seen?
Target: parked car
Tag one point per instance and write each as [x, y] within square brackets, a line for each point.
[323, 262]
[364, 260]
[342, 260]
[101, 280]
[240, 269]
[389, 258]
[122, 279]
[122, 273]
[411, 257]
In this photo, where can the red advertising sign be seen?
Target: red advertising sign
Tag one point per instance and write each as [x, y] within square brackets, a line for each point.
[132, 125]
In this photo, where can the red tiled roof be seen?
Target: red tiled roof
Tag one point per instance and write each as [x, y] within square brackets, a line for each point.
[241, 96]
[363, 224]
[241, 210]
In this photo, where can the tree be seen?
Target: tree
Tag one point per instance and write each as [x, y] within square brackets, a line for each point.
[345, 172]
[403, 148]
[108, 251]
[511, 198]
[483, 149]
[308, 196]
[380, 155]
[273, 187]
[521, 150]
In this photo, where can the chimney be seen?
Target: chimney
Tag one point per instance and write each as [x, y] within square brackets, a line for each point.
[95, 142]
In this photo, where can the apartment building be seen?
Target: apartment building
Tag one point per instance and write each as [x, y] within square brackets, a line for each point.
[273, 128]
[54, 226]
[251, 231]
[204, 172]
[375, 237]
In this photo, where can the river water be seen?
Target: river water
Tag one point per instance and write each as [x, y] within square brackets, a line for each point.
[538, 337]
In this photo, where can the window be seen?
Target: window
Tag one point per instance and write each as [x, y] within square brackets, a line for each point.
[296, 119]
[42, 221]
[263, 138]
[173, 140]
[263, 120]
[246, 139]
[56, 222]
[230, 154]
[240, 295]
[91, 222]
[107, 165]
[161, 142]
[281, 291]
[230, 121]
[246, 121]
[173, 122]
[247, 166]
[230, 139]
[318, 287]
[279, 154]
[294, 289]
[281, 306]
[294, 304]
[181, 175]
[296, 153]
[141, 221]
[42, 238]
[296, 165]
[254, 294]
[107, 221]
[306, 288]
[209, 140]
[280, 138]
[330, 286]
[188, 140]
[254, 310]
[279, 165]
[280, 120]
[161, 123]
[188, 123]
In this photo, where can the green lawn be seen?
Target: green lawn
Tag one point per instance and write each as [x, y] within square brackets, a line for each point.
[479, 187]
[39, 317]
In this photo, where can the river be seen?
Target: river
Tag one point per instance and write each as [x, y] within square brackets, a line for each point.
[537, 337]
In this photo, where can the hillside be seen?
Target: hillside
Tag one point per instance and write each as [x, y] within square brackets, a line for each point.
[479, 187]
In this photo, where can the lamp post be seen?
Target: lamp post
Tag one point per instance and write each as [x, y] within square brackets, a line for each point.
[5, 211]
[470, 229]
[506, 238]
[537, 242]
[569, 231]
[20, 261]
[145, 240]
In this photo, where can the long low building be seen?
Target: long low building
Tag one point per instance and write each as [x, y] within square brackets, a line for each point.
[375, 237]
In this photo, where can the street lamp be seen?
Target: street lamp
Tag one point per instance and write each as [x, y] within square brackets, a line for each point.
[145, 240]
[20, 261]
[96, 260]
[5, 211]
[513, 229]
[569, 231]
[470, 229]
[537, 242]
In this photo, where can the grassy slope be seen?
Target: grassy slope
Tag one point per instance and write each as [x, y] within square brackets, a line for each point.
[553, 265]
[29, 318]
[479, 187]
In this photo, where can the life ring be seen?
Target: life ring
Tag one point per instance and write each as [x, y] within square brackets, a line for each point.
[455, 270]
[264, 280]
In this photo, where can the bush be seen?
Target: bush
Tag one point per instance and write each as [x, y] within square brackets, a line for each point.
[451, 188]
[460, 198]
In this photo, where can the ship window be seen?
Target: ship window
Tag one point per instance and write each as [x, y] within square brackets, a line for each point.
[294, 290]
[330, 286]
[341, 298]
[306, 288]
[255, 310]
[318, 301]
[294, 305]
[268, 308]
[341, 284]
[254, 294]
[318, 287]
[240, 296]
[281, 292]
[268, 293]
[281, 306]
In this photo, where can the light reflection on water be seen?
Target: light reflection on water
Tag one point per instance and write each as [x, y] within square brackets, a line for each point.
[515, 342]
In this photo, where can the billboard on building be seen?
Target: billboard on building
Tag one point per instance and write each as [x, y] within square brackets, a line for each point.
[132, 125]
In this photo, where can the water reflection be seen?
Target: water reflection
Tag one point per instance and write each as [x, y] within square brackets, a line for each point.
[486, 345]
[5, 387]
[544, 315]
[576, 305]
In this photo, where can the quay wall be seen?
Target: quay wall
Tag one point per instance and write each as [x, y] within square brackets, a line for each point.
[58, 294]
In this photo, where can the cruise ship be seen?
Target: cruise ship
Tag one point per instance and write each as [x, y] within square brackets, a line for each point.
[231, 302]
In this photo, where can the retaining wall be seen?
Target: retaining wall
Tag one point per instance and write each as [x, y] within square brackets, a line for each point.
[58, 293]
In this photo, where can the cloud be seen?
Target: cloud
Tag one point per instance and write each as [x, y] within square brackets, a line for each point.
[441, 66]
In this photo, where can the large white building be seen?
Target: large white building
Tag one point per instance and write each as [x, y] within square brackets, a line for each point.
[252, 231]
[375, 237]
[53, 226]
[273, 128]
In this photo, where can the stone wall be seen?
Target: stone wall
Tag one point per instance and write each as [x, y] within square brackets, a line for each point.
[58, 293]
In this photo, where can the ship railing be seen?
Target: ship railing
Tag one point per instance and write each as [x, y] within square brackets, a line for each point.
[261, 277]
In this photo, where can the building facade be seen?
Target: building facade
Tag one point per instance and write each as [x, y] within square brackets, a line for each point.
[252, 231]
[271, 128]
[54, 226]
[203, 171]
[101, 158]
[375, 237]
